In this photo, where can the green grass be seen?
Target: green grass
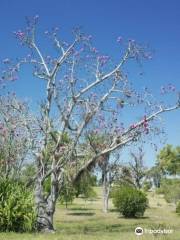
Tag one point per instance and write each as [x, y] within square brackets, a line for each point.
[86, 221]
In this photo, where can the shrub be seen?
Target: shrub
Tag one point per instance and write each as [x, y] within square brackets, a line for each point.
[178, 207]
[172, 195]
[16, 207]
[171, 190]
[67, 194]
[84, 186]
[147, 186]
[129, 201]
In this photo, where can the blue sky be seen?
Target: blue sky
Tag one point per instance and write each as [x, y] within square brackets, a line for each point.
[155, 22]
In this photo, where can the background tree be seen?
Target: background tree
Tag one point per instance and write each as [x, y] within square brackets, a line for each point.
[137, 167]
[154, 175]
[168, 160]
[17, 135]
[97, 142]
[84, 186]
[67, 193]
[124, 176]
[108, 164]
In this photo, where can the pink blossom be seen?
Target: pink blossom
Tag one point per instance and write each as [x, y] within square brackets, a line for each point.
[133, 126]
[103, 59]
[94, 50]
[20, 34]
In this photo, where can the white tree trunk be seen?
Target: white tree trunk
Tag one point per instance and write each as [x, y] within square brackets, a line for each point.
[105, 199]
[105, 180]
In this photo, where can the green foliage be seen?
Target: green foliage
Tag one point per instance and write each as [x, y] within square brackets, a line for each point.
[89, 193]
[27, 174]
[65, 138]
[84, 186]
[156, 174]
[129, 201]
[47, 185]
[52, 140]
[54, 135]
[16, 207]
[171, 190]
[178, 207]
[67, 194]
[147, 185]
[169, 159]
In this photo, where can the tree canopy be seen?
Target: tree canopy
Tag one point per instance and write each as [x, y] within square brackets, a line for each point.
[169, 159]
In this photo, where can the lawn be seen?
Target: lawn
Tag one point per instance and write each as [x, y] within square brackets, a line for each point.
[86, 221]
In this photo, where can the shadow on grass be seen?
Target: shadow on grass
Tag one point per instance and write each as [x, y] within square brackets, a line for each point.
[80, 209]
[81, 214]
[144, 217]
[113, 210]
[90, 200]
[97, 228]
[101, 228]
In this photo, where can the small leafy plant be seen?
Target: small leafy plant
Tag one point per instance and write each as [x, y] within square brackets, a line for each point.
[16, 207]
[178, 207]
[129, 201]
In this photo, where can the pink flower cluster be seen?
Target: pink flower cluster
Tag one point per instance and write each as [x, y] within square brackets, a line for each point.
[169, 88]
[145, 124]
[20, 35]
[94, 50]
[103, 59]
[133, 126]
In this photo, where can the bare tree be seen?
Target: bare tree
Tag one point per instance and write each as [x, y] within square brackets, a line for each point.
[137, 167]
[17, 134]
[79, 85]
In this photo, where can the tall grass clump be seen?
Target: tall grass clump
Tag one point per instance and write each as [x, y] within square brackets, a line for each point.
[16, 207]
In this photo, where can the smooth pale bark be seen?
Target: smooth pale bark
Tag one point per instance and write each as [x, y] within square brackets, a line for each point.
[106, 187]
[105, 196]
[45, 205]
